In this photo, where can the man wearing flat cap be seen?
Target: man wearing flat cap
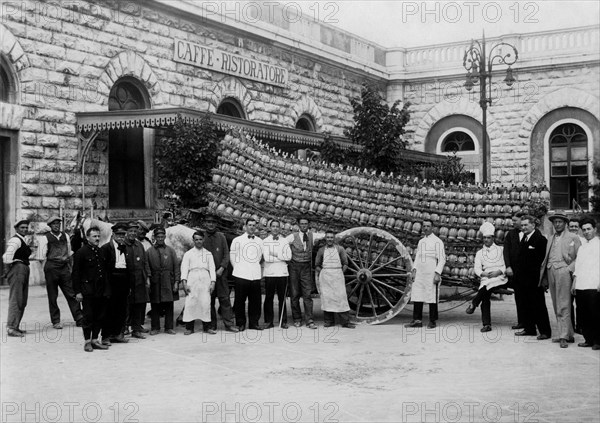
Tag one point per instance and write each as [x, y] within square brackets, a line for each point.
[164, 283]
[557, 275]
[139, 280]
[114, 253]
[55, 249]
[16, 261]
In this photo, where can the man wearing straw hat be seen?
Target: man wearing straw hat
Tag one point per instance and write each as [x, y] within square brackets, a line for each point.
[16, 261]
[556, 274]
[55, 249]
[490, 267]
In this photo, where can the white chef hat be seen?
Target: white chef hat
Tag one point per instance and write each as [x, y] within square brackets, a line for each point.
[487, 229]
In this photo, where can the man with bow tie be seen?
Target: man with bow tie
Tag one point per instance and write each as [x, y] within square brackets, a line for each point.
[246, 255]
[527, 269]
[276, 252]
[301, 244]
[490, 267]
[114, 253]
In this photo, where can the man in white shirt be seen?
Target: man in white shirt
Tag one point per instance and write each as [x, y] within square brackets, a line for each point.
[16, 261]
[574, 228]
[426, 274]
[586, 285]
[276, 252]
[246, 254]
[55, 251]
[490, 267]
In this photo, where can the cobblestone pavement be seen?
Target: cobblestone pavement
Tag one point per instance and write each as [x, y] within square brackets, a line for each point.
[384, 373]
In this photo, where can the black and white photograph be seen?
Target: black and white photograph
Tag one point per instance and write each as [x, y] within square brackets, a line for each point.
[300, 211]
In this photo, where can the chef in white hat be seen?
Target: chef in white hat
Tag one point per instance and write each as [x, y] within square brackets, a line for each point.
[490, 267]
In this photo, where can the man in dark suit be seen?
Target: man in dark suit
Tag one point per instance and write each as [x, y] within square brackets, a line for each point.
[114, 253]
[139, 275]
[91, 286]
[526, 273]
[511, 251]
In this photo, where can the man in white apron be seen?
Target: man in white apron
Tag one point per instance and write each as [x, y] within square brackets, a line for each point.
[198, 277]
[330, 264]
[430, 259]
[490, 267]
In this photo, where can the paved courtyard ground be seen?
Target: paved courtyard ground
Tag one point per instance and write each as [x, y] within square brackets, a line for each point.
[384, 373]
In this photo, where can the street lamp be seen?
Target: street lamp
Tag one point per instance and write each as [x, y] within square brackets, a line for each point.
[479, 70]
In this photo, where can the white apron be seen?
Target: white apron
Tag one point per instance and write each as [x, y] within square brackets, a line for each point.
[197, 302]
[331, 283]
[426, 261]
[492, 259]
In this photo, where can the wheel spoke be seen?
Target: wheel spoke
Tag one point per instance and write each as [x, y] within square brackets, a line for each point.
[383, 296]
[386, 264]
[362, 265]
[353, 290]
[388, 286]
[353, 280]
[379, 255]
[359, 303]
[371, 300]
[352, 262]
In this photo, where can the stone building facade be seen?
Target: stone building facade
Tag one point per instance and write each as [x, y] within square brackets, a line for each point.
[268, 65]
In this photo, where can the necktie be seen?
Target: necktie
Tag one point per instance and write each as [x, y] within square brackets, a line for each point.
[524, 240]
[250, 236]
[122, 248]
[304, 237]
[276, 238]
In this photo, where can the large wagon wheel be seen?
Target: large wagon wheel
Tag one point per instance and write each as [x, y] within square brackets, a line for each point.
[377, 276]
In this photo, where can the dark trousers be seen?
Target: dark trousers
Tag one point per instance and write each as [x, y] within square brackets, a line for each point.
[301, 285]
[536, 313]
[18, 280]
[329, 317]
[221, 292]
[155, 315]
[94, 310]
[59, 275]
[116, 310]
[519, 303]
[483, 297]
[588, 314]
[247, 289]
[574, 318]
[137, 312]
[418, 311]
[272, 285]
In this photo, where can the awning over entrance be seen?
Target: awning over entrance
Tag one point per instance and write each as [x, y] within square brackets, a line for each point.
[90, 124]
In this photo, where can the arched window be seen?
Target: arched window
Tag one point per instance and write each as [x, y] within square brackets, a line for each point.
[126, 170]
[8, 87]
[231, 107]
[568, 166]
[458, 141]
[306, 123]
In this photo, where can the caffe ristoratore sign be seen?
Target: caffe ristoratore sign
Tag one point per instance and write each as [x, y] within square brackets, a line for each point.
[232, 64]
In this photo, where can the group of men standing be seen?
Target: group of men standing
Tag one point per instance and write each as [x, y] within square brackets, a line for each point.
[115, 281]
[565, 264]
